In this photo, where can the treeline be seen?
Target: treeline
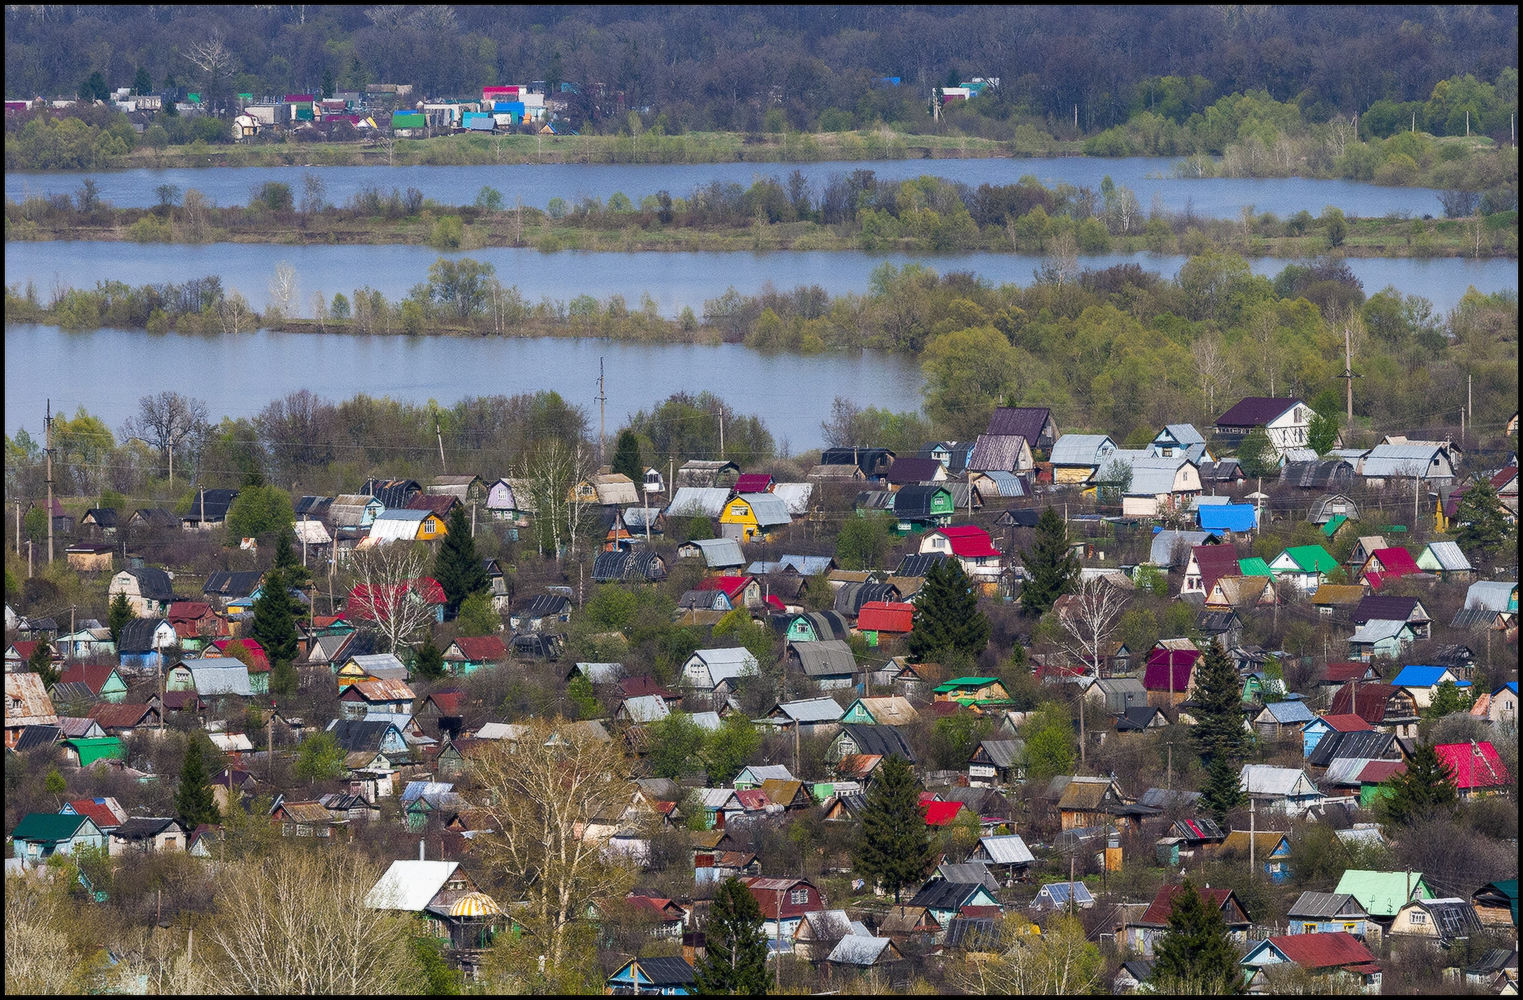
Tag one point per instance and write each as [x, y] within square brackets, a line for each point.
[1073, 70]
[1120, 350]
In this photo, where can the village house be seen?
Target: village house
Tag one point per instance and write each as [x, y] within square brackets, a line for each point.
[147, 835]
[1335, 954]
[1286, 423]
[149, 591]
[1143, 935]
[41, 835]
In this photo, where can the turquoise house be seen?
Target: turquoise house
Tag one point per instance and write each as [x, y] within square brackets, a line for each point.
[41, 835]
[667, 977]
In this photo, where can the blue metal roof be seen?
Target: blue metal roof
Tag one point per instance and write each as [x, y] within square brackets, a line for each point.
[1227, 517]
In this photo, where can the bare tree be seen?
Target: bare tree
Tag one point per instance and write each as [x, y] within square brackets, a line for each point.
[552, 473]
[282, 293]
[235, 314]
[388, 593]
[544, 791]
[1213, 369]
[1057, 962]
[1088, 620]
[216, 62]
[167, 421]
[298, 922]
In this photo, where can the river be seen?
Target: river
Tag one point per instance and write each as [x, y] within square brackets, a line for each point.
[674, 280]
[533, 185]
[107, 371]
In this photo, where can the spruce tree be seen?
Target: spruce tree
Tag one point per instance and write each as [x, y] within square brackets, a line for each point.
[1223, 791]
[894, 845]
[429, 661]
[626, 457]
[1195, 955]
[194, 803]
[1218, 730]
[735, 961]
[297, 576]
[1051, 568]
[118, 615]
[284, 681]
[274, 624]
[1482, 521]
[947, 618]
[1424, 790]
[458, 568]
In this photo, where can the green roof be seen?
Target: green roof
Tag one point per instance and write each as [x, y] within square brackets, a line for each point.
[99, 748]
[967, 682]
[1311, 558]
[1253, 567]
[1331, 527]
[408, 119]
[50, 826]
[1383, 893]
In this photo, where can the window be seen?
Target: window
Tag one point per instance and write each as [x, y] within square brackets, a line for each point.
[799, 896]
[1419, 917]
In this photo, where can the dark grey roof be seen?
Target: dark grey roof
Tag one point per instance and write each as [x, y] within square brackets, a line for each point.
[137, 635]
[143, 827]
[1216, 622]
[36, 738]
[1022, 517]
[628, 565]
[542, 645]
[359, 734]
[1224, 471]
[1163, 798]
[312, 506]
[1136, 717]
[885, 741]
[1384, 608]
[939, 894]
[915, 501]
[667, 971]
[872, 461]
[158, 517]
[210, 505]
[153, 583]
[914, 470]
[393, 493]
[919, 563]
[1368, 745]
[851, 597]
[1003, 753]
[104, 517]
[544, 606]
[1255, 411]
[972, 932]
[1322, 904]
[232, 583]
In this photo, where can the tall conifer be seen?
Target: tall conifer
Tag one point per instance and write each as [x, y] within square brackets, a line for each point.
[735, 959]
[458, 568]
[947, 618]
[1051, 567]
[1195, 955]
[894, 845]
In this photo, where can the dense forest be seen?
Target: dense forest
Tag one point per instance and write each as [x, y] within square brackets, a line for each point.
[1072, 70]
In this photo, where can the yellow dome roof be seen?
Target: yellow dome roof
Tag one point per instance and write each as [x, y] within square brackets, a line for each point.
[475, 904]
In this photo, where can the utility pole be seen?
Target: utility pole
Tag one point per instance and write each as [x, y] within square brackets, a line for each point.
[1253, 814]
[602, 398]
[48, 451]
[1348, 370]
[440, 435]
[1470, 398]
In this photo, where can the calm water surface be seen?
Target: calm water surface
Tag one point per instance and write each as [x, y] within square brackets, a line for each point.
[106, 371]
[673, 280]
[534, 185]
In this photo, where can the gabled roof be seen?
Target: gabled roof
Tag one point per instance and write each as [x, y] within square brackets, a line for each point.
[1170, 669]
[877, 741]
[1008, 849]
[1162, 906]
[1024, 421]
[33, 707]
[1255, 411]
[1381, 893]
[410, 885]
[824, 658]
[52, 827]
[1473, 765]
[1214, 562]
[809, 710]
[968, 541]
[1326, 950]
[940, 894]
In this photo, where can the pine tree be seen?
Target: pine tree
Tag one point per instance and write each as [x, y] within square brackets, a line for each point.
[894, 845]
[1482, 520]
[1051, 568]
[1424, 790]
[274, 624]
[41, 663]
[626, 457]
[284, 681]
[1195, 955]
[1223, 791]
[458, 568]
[118, 615]
[1218, 730]
[296, 575]
[947, 618]
[429, 661]
[194, 803]
[735, 961]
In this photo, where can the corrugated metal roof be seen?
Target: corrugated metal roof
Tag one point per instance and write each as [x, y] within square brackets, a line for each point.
[410, 885]
[1082, 449]
[1008, 849]
[812, 710]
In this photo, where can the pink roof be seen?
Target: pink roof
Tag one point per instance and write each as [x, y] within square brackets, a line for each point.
[753, 482]
[886, 616]
[365, 604]
[1395, 562]
[1328, 950]
[261, 659]
[969, 541]
[1164, 662]
[1473, 765]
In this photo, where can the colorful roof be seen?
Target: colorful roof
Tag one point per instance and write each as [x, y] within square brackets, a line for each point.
[1473, 765]
[50, 826]
[1311, 558]
[1253, 566]
[1328, 950]
[1162, 906]
[731, 586]
[969, 541]
[1164, 664]
[886, 616]
[940, 813]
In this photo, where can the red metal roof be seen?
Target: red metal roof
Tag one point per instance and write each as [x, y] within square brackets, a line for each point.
[775, 896]
[99, 813]
[367, 604]
[482, 648]
[1346, 723]
[886, 616]
[731, 586]
[1166, 662]
[1214, 562]
[92, 675]
[1394, 562]
[261, 659]
[187, 611]
[1369, 702]
[1378, 772]
[1327, 950]
[1473, 765]
[641, 685]
[969, 541]
[940, 813]
[1343, 671]
[1162, 906]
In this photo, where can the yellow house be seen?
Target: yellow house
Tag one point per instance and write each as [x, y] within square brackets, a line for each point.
[407, 526]
[751, 514]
